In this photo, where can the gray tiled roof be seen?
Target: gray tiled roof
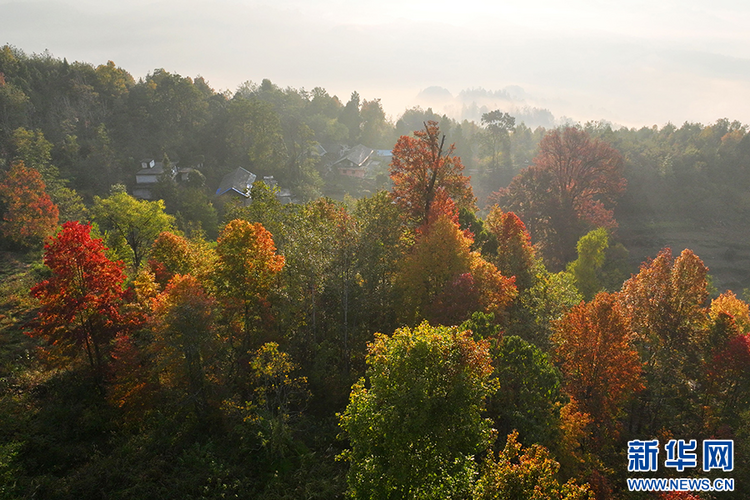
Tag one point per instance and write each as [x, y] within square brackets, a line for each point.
[238, 181]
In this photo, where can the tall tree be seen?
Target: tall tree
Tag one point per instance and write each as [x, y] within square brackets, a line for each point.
[529, 395]
[424, 170]
[496, 138]
[666, 305]
[245, 272]
[600, 365]
[183, 327]
[571, 187]
[514, 255]
[35, 151]
[443, 281]
[416, 427]
[80, 301]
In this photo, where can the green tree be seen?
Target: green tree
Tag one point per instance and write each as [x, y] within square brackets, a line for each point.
[35, 151]
[591, 248]
[415, 428]
[131, 226]
[381, 245]
[600, 266]
[351, 118]
[496, 141]
[376, 131]
[529, 393]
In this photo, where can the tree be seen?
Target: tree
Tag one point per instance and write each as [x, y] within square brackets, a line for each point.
[131, 225]
[35, 151]
[254, 137]
[80, 301]
[666, 306]
[443, 281]
[514, 255]
[591, 253]
[496, 138]
[599, 362]
[172, 254]
[184, 336]
[376, 131]
[276, 390]
[349, 115]
[739, 310]
[528, 397]
[380, 247]
[28, 214]
[245, 272]
[414, 430]
[527, 475]
[571, 186]
[423, 170]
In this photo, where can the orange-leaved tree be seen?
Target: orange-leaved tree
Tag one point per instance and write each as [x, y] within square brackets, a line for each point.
[28, 214]
[600, 365]
[515, 254]
[245, 272]
[443, 281]
[184, 338]
[80, 302]
[666, 304]
[422, 168]
[172, 254]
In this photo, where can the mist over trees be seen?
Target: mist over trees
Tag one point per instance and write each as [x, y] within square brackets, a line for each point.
[369, 307]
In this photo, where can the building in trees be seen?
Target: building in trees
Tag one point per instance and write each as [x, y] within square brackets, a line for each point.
[355, 162]
[238, 184]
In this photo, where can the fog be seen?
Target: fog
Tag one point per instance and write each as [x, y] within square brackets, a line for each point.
[632, 63]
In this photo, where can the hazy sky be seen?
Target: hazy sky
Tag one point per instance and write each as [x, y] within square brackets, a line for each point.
[628, 61]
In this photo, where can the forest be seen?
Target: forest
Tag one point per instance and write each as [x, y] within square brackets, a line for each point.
[476, 310]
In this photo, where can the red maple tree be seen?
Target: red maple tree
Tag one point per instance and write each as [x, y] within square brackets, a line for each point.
[515, 254]
[80, 301]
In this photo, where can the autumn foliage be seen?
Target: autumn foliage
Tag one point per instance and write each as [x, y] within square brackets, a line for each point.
[571, 187]
[666, 302]
[80, 301]
[515, 254]
[245, 271]
[28, 214]
[424, 170]
[599, 361]
[443, 281]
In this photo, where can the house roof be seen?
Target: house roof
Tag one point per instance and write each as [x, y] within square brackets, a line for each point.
[358, 155]
[238, 181]
[157, 169]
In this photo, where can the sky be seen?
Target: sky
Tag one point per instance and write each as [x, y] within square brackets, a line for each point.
[630, 62]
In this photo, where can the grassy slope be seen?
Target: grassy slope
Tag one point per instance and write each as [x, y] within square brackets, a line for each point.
[16, 307]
